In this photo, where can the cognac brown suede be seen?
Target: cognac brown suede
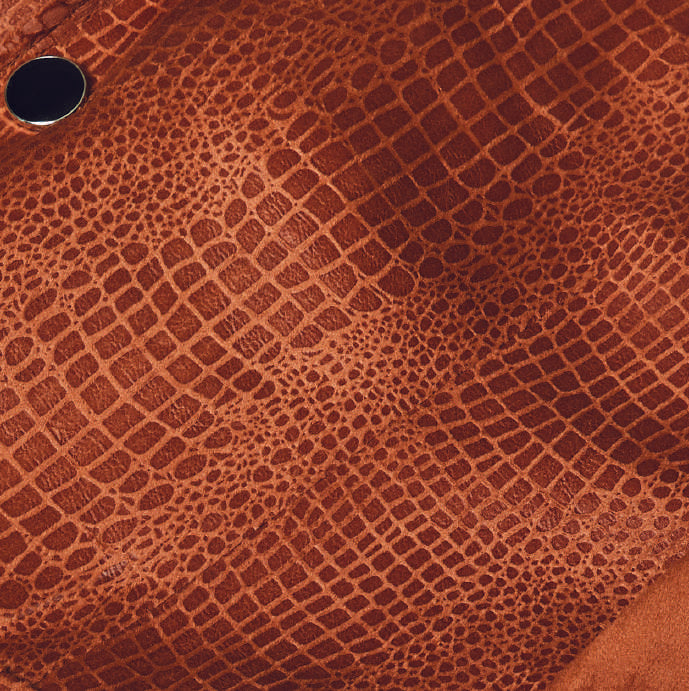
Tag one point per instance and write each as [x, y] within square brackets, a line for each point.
[645, 648]
[343, 345]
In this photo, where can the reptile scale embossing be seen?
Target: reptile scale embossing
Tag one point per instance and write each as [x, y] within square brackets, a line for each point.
[343, 343]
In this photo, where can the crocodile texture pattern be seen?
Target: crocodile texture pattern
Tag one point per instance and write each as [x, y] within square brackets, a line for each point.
[25, 21]
[343, 345]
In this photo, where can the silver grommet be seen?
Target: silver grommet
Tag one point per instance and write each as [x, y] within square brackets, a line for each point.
[45, 90]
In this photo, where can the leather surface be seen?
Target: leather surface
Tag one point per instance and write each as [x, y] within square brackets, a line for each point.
[645, 648]
[344, 345]
[24, 23]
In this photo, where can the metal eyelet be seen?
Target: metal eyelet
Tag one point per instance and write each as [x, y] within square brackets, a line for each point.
[45, 90]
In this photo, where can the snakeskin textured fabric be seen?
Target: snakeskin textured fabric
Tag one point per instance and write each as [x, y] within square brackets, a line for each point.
[24, 23]
[343, 343]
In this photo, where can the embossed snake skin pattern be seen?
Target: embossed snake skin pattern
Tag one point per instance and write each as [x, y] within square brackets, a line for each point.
[344, 345]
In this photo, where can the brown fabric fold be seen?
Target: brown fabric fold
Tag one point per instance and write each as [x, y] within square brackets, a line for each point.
[645, 648]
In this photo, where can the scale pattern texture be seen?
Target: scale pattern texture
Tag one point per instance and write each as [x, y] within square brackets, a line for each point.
[344, 345]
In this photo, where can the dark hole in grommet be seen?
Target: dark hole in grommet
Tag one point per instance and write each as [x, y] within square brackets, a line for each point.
[45, 90]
